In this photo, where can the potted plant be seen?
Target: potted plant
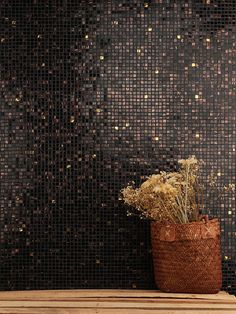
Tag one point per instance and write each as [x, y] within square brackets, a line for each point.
[185, 243]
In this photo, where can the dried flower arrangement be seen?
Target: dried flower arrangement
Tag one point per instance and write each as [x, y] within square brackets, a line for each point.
[175, 197]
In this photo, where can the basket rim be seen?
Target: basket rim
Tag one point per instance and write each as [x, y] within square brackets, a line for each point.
[189, 231]
[202, 222]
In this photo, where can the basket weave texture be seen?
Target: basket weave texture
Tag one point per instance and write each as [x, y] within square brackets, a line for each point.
[187, 257]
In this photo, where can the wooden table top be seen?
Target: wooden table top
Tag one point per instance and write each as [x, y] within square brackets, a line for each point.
[114, 302]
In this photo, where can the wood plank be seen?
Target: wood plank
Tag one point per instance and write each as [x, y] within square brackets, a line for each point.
[115, 305]
[113, 302]
[140, 300]
[77, 294]
[107, 311]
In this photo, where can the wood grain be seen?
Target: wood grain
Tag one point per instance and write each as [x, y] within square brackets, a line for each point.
[107, 311]
[91, 293]
[114, 302]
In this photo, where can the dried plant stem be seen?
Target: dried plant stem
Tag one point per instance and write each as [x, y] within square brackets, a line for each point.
[167, 211]
[186, 193]
[181, 205]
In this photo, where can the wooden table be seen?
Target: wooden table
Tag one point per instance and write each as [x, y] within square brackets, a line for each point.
[114, 302]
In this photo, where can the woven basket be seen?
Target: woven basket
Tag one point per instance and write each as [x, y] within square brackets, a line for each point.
[187, 257]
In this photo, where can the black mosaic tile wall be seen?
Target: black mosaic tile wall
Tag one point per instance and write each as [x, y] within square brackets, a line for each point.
[95, 94]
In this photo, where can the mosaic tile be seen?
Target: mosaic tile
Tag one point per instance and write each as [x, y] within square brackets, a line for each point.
[95, 94]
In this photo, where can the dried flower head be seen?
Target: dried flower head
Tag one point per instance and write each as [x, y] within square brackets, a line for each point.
[173, 196]
[188, 162]
[166, 189]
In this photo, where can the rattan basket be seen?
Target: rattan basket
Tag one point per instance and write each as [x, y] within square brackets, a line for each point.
[187, 257]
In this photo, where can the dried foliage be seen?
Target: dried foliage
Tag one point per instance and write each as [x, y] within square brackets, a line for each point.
[171, 196]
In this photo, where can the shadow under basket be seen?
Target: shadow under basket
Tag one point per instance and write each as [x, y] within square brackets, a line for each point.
[187, 257]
